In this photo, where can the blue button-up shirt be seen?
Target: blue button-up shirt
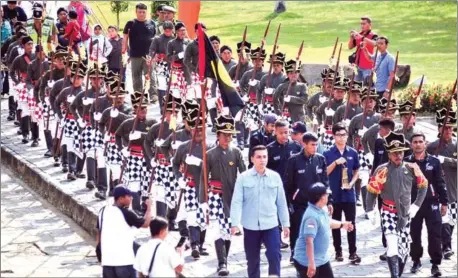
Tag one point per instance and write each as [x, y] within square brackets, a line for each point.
[259, 201]
[383, 67]
[340, 195]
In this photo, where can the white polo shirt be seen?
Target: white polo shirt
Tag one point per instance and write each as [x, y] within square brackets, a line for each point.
[165, 262]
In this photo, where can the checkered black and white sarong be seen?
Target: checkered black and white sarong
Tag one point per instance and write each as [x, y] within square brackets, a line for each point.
[215, 213]
[162, 72]
[191, 201]
[178, 81]
[47, 110]
[451, 215]
[70, 128]
[268, 107]
[89, 138]
[164, 177]
[389, 225]
[365, 160]
[326, 137]
[252, 110]
[114, 157]
[136, 175]
[287, 117]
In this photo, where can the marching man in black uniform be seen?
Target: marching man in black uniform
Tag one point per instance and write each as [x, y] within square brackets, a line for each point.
[431, 210]
[327, 75]
[224, 162]
[236, 72]
[394, 181]
[445, 149]
[408, 120]
[269, 83]
[175, 52]
[345, 114]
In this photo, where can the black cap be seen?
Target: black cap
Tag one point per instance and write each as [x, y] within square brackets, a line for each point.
[299, 127]
[26, 40]
[179, 25]
[121, 191]
[316, 191]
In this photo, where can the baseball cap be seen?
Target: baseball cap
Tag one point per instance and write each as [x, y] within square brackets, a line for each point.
[316, 191]
[121, 191]
[270, 118]
[299, 127]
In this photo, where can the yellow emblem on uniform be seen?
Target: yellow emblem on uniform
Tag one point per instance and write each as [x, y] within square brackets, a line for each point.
[231, 163]
[228, 126]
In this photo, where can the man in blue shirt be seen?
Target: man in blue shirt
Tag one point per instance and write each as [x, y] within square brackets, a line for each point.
[343, 165]
[259, 204]
[384, 66]
[311, 257]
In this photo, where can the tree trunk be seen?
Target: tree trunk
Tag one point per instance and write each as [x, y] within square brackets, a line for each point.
[117, 18]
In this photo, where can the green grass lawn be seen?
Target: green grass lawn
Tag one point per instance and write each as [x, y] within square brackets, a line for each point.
[423, 32]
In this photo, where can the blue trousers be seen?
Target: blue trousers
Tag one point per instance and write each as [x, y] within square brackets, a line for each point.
[125, 271]
[252, 243]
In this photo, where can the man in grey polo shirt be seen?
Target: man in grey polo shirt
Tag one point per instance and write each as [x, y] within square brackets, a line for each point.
[384, 66]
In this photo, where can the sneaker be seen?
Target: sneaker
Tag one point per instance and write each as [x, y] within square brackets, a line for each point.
[416, 267]
[195, 253]
[90, 184]
[339, 257]
[64, 168]
[435, 272]
[25, 140]
[80, 175]
[172, 226]
[222, 270]
[71, 176]
[17, 123]
[34, 143]
[448, 253]
[284, 245]
[354, 259]
[11, 117]
[203, 252]
[358, 203]
[100, 195]
[239, 233]
[383, 257]
[48, 154]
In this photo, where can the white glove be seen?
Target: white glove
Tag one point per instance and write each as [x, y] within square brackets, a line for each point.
[176, 145]
[192, 160]
[441, 158]
[413, 210]
[114, 113]
[253, 82]
[135, 135]
[211, 103]
[153, 163]
[269, 91]
[323, 99]
[158, 143]
[260, 106]
[181, 183]
[125, 152]
[204, 207]
[88, 101]
[346, 122]
[315, 120]
[47, 101]
[107, 138]
[252, 126]
[51, 83]
[181, 55]
[372, 217]
[329, 112]
[245, 98]
[70, 99]
[362, 131]
[176, 93]
[238, 116]
[225, 111]
[97, 116]
[287, 98]
[236, 84]
[81, 123]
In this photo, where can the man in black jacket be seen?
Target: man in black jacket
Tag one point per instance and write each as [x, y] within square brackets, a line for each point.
[432, 209]
[263, 136]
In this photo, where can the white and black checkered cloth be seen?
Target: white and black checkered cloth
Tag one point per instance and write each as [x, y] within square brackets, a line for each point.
[389, 224]
[191, 202]
[216, 212]
[364, 160]
[136, 174]
[452, 208]
[114, 157]
[268, 108]
[164, 177]
[162, 71]
[89, 138]
[70, 128]
[47, 111]
[252, 113]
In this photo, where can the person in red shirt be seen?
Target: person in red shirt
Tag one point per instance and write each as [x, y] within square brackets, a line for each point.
[72, 30]
[363, 39]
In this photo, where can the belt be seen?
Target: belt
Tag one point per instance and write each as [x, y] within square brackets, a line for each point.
[216, 186]
[269, 99]
[70, 116]
[162, 159]
[190, 180]
[389, 206]
[136, 150]
[160, 57]
[176, 65]
[112, 138]
[252, 96]
[87, 119]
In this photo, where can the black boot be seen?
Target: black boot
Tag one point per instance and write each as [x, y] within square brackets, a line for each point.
[194, 233]
[25, 128]
[90, 169]
[72, 166]
[64, 158]
[393, 264]
[102, 183]
[402, 265]
[35, 131]
[79, 168]
[11, 116]
[228, 246]
[221, 255]
[202, 250]
[48, 139]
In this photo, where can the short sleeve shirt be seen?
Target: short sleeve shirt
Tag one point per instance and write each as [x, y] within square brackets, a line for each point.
[141, 34]
[383, 67]
[165, 261]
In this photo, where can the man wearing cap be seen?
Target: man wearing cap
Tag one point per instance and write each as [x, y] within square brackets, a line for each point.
[175, 55]
[394, 181]
[270, 82]
[46, 84]
[109, 117]
[115, 239]
[70, 125]
[224, 164]
[263, 136]
[187, 168]
[160, 164]
[98, 46]
[87, 139]
[311, 257]
[408, 116]
[130, 143]
[158, 51]
[302, 171]
[138, 34]
[226, 57]
[18, 73]
[431, 210]
[43, 28]
[327, 76]
[297, 131]
[347, 111]
[236, 72]
[446, 150]
[290, 103]
[35, 71]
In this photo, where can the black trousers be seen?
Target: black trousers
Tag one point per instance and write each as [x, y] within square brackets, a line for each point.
[430, 213]
[295, 219]
[242, 136]
[6, 83]
[350, 214]
[323, 271]
[379, 204]
[447, 232]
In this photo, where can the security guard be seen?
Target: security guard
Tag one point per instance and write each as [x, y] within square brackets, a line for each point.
[447, 156]
[303, 170]
[263, 136]
[429, 211]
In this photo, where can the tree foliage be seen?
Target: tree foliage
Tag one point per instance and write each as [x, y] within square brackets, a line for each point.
[155, 4]
[118, 7]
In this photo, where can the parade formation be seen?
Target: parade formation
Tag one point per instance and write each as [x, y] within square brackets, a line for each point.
[311, 158]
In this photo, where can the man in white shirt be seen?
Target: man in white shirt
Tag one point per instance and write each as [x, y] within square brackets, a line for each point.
[116, 234]
[157, 258]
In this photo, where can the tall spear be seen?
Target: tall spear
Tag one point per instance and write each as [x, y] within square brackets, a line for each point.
[414, 102]
[390, 93]
[298, 57]
[449, 107]
[242, 48]
[269, 75]
[333, 83]
[348, 97]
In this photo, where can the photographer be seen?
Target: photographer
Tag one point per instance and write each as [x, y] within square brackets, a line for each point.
[363, 40]
[384, 66]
